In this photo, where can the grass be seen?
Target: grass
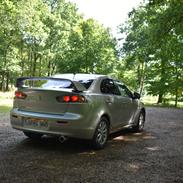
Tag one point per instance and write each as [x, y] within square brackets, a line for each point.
[6, 101]
[152, 101]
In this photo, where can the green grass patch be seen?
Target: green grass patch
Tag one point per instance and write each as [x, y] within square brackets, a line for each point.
[7, 95]
[6, 101]
[4, 109]
[152, 101]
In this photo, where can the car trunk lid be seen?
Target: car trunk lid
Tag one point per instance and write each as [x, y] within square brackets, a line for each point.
[40, 94]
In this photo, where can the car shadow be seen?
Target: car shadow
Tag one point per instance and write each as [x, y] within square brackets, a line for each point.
[74, 146]
[47, 143]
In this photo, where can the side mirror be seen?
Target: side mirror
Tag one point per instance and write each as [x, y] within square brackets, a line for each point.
[136, 95]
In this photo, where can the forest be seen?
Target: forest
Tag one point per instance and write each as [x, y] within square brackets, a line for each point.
[45, 37]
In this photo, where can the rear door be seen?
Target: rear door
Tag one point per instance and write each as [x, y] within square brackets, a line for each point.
[112, 100]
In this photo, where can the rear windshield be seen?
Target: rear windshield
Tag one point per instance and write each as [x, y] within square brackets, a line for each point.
[52, 84]
[86, 83]
[46, 83]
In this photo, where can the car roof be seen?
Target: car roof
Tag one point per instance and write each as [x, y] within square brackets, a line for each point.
[79, 76]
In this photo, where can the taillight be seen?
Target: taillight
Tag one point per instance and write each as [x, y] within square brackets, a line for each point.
[71, 99]
[66, 98]
[74, 98]
[20, 95]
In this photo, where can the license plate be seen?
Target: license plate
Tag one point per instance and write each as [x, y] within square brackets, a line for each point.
[35, 123]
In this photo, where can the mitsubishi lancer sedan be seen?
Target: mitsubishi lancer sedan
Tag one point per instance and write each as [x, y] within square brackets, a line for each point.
[86, 106]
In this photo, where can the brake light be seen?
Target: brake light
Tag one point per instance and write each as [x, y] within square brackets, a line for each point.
[74, 98]
[20, 95]
[71, 99]
[66, 99]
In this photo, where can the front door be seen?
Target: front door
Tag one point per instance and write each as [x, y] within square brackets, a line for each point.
[128, 105]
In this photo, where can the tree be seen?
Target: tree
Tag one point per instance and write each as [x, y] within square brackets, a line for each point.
[43, 37]
[155, 37]
[8, 38]
[92, 49]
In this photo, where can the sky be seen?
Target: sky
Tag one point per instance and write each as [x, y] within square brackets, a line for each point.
[110, 13]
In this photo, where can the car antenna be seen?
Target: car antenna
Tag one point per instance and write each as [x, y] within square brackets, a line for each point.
[74, 74]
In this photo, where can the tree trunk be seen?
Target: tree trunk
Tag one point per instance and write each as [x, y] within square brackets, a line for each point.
[30, 61]
[4, 73]
[2, 81]
[22, 59]
[160, 98]
[40, 60]
[53, 68]
[138, 75]
[142, 78]
[49, 67]
[176, 97]
[86, 63]
[34, 65]
[176, 87]
[7, 82]
[162, 81]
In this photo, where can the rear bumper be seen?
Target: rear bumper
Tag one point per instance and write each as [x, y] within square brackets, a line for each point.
[68, 124]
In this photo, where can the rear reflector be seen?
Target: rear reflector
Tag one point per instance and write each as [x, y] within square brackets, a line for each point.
[20, 95]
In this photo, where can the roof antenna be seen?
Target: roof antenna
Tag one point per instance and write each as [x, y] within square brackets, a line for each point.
[74, 74]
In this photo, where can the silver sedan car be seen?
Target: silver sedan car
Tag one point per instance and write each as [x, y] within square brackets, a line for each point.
[86, 106]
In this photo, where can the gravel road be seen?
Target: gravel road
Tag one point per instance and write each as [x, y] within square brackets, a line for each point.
[156, 155]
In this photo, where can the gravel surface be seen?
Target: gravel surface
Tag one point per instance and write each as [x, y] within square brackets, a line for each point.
[156, 155]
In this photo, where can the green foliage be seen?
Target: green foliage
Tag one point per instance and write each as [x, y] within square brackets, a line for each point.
[153, 47]
[92, 50]
[41, 38]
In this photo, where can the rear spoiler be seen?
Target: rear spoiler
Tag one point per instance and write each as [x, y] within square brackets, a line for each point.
[77, 87]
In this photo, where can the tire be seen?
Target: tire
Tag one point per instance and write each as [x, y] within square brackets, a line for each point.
[34, 136]
[140, 124]
[101, 134]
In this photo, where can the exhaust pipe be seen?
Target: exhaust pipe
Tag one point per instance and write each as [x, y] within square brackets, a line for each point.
[62, 139]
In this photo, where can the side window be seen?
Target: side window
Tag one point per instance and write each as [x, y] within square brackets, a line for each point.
[108, 87]
[125, 92]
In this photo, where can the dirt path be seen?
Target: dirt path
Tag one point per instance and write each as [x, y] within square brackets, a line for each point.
[156, 155]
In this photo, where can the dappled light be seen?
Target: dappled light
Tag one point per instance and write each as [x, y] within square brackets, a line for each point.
[126, 138]
[137, 134]
[88, 153]
[134, 167]
[155, 148]
[148, 137]
[133, 137]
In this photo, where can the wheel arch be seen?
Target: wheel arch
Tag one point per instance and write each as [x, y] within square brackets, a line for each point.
[105, 115]
[144, 112]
